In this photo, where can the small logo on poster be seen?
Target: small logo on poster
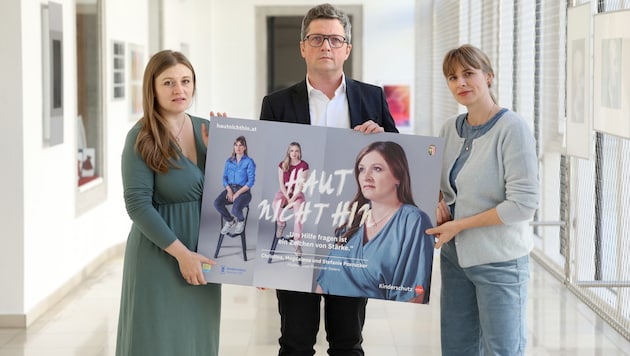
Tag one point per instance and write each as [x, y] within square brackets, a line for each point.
[419, 290]
[432, 150]
[232, 270]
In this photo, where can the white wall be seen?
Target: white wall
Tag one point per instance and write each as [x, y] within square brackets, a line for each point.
[46, 245]
[11, 179]
[196, 33]
[49, 172]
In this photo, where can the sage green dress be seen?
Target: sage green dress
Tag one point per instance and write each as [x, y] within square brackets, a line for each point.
[161, 314]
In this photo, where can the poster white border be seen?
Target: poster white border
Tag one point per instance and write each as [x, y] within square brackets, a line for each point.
[579, 85]
[611, 50]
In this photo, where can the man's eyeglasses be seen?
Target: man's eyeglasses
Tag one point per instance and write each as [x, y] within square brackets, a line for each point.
[335, 41]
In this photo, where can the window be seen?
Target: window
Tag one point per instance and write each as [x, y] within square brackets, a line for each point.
[90, 147]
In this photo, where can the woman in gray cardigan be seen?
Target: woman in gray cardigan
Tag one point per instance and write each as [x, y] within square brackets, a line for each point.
[489, 193]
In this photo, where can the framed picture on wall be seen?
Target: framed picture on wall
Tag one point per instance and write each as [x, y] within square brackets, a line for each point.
[579, 119]
[136, 69]
[52, 76]
[118, 70]
[611, 97]
[398, 98]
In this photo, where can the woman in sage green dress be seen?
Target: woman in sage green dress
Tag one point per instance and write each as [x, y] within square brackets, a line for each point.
[167, 307]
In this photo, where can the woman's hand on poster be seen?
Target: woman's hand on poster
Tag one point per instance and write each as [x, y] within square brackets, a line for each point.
[190, 266]
[204, 127]
[445, 232]
[369, 127]
[218, 114]
[442, 213]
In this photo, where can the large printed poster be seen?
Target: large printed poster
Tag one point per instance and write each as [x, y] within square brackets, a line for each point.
[332, 210]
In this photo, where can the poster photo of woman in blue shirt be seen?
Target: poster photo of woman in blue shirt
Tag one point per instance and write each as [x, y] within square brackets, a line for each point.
[239, 175]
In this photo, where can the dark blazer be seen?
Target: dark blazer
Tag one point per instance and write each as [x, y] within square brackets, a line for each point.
[365, 102]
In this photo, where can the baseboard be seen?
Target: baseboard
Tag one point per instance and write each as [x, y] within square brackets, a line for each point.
[13, 321]
[25, 320]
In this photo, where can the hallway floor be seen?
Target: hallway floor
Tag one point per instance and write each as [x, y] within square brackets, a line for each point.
[84, 324]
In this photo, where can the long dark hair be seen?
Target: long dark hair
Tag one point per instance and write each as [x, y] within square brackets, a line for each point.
[242, 141]
[155, 143]
[396, 159]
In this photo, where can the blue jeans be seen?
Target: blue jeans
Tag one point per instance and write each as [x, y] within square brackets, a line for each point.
[237, 206]
[483, 307]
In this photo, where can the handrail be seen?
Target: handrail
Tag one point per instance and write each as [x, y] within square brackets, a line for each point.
[547, 223]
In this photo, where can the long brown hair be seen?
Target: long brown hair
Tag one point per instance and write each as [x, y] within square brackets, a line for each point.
[396, 159]
[286, 162]
[155, 143]
[243, 141]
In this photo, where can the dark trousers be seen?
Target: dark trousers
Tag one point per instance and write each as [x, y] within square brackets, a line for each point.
[299, 318]
[237, 207]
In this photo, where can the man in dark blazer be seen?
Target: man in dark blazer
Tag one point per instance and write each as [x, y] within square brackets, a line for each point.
[326, 98]
[366, 102]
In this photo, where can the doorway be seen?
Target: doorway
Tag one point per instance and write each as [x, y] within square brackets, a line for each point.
[285, 65]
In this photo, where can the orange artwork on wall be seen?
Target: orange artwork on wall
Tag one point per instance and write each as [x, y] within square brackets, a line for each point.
[399, 100]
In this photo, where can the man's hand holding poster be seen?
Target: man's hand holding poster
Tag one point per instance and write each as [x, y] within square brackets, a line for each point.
[331, 210]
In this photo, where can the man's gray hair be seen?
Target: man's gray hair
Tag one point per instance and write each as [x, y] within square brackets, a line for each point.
[326, 11]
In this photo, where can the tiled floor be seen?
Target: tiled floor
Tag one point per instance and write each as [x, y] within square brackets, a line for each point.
[84, 324]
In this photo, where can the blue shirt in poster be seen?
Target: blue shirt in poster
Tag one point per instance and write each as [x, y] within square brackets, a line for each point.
[395, 265]
[240, 173]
